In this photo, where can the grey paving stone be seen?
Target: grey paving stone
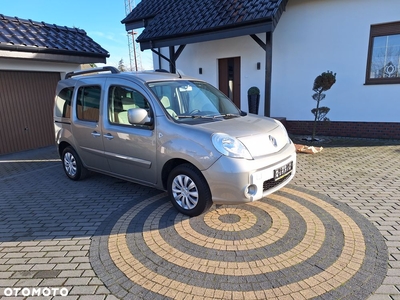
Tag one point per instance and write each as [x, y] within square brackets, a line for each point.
[93, 297]
[386, 289]
[19, 267]
[66, 298]
[23, 274]
[56, 254]
[34, 254]
[83, 290]
[344, 174]
[28, 282]
[102, 290]
[111, 297]
[43, 267]
[47, 274]
[84, 259]
[71, 273]
[40, 260]
[8, 282]
[77, 281]
[84, 266]
[89, 273]
[68, 266]
[60, 260]
[50, 282]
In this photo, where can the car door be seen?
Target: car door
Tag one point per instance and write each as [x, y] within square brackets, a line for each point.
[86, 126]
[130, 149]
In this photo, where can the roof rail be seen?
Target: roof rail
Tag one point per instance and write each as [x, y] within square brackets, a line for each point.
[93, 70]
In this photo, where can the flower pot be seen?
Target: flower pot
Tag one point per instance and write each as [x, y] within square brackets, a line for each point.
[254, 102]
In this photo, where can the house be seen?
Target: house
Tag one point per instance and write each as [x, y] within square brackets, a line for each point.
[281, 46]
[33, 57]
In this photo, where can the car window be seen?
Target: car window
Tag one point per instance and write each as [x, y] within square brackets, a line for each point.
[63, 103]
[184, 100]
[88, 103]
[120, 100]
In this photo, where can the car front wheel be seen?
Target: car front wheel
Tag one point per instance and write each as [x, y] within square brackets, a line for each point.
[188, 190]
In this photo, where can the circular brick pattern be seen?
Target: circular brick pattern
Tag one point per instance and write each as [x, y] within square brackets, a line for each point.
[294, 243]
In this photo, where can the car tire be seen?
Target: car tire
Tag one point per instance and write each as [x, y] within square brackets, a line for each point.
[188, 190]
[72, 164]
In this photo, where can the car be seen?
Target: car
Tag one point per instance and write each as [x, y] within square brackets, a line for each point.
[171, 132]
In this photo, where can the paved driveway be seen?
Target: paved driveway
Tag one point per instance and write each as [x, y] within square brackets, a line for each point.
[332, 233]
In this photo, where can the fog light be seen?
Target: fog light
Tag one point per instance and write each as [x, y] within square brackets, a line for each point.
[251, 190]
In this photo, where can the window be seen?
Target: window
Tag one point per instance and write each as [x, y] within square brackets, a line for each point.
[193, 101]
[88, 103]
[120, 100]
[63, 103]
[383, 64]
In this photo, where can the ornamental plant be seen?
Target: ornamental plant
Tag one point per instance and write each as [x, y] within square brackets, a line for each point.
[253, 91]
[322, 83]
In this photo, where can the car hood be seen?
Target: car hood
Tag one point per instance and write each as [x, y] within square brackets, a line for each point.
[260, 135]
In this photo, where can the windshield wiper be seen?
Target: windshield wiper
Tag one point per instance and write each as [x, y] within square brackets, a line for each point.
[227, 116]
[195, 117]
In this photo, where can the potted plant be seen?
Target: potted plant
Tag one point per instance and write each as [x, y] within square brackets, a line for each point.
[253, 95]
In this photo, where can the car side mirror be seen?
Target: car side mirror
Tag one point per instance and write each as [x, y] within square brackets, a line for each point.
[139, 116]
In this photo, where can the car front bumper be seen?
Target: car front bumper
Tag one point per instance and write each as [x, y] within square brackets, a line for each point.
[235, 181]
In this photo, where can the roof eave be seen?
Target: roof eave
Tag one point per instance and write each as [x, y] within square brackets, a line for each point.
[20, 52]
[211, 35]
[135, 25]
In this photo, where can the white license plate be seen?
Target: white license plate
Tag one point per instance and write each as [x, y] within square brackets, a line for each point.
[283, 171]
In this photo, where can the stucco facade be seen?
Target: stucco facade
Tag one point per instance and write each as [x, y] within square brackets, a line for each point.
[311, 37]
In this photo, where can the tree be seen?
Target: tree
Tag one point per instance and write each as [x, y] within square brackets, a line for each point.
[121, 66]
[322, 83]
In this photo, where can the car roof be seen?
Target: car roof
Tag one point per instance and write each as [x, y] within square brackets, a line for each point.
[148, 76]
[143, 76]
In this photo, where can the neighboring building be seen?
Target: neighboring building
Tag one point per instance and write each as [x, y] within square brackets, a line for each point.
[33, 57]
[281, 46]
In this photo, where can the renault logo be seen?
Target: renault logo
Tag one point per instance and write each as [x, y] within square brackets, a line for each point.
[273, 141]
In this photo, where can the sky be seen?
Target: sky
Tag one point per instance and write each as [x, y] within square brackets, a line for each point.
[101, 19]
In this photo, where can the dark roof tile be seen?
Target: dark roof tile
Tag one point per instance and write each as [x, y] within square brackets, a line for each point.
[180, 17]
[49, 37]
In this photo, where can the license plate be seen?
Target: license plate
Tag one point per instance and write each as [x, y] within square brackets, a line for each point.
[283, 171]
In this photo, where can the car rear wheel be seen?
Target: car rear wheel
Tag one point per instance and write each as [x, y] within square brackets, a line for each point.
[188, 190]
[72, 164]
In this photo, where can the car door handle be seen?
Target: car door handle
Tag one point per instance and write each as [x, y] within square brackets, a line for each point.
[108, 136]
[95, 134]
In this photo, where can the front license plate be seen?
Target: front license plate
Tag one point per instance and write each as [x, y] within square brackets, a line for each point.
[283, 171]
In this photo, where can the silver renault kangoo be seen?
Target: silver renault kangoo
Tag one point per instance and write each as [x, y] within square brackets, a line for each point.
[170, 132]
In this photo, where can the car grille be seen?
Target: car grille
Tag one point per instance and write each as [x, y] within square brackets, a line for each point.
[269, 184]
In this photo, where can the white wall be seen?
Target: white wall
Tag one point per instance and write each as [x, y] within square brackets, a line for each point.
[314, 36]
[33, 65]
[205, 55]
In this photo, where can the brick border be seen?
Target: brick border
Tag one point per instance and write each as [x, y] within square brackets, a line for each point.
[375, 130]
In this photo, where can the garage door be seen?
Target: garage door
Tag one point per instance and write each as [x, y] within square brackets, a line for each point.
[26, 110]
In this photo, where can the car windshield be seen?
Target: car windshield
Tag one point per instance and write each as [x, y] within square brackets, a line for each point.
[188, 100]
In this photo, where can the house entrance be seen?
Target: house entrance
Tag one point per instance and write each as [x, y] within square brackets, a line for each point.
[229, 78]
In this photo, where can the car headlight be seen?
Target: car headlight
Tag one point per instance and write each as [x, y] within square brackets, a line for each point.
[230, 146]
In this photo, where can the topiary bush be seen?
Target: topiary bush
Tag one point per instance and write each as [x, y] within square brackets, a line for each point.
[322, 83]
